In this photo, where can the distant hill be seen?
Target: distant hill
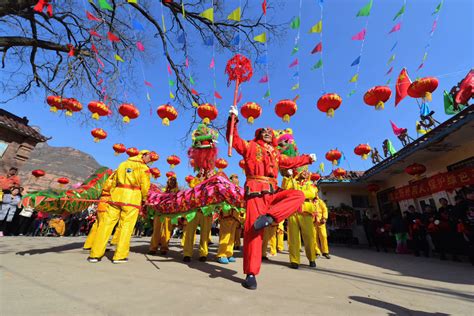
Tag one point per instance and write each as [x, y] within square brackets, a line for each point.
[56, 162]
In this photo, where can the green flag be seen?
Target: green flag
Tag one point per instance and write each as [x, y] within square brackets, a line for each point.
[365, 11]
[402, 10]
[296, 86]
[318, 65]
[388, 81]
[351, 93]
[104, 5]
[295, 50]
[171, 82]
[438, 8]
[295, 23]
[392, 58]
[424, 57]
[390, 147]
[191, 80]
[267, 94]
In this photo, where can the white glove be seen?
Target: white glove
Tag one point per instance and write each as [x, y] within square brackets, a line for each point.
[313, 157]
[233, 110]
[290, 172]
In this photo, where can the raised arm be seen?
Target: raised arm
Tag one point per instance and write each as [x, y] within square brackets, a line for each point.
[238, 143]
[295, 162]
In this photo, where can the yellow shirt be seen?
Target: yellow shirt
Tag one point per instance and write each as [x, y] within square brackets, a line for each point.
[321, 210]
[132, 182]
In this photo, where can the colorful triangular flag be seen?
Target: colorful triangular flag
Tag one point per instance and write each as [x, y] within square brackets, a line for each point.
[389, 71]
[208, 14]
[359, 36]
[318, 48]
[354, 78]
[296, 86]
[392, 58]
[235, 15]
[212, 64]
[118, 58]
[318, 65]
[295, 23]
[217, 95]
[91, 17]
[365, 11]
[399, 13]
[261, 38]
[396, 28]
[264, 79]
[403, 82]
[438, 7]
[140, 46]
[317, 28]
[356, 61]
[293, 63]
[112, 37]
[104, 5]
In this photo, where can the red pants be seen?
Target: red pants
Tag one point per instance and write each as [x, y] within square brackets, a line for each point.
[279, 205]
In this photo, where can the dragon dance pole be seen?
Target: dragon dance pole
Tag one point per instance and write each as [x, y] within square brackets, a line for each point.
[239, 69]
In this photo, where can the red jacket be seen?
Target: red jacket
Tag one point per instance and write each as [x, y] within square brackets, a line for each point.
[262, 163]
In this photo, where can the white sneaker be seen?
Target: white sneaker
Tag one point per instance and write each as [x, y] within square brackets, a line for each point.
[120, 261]
[1, 234]
[93, 260]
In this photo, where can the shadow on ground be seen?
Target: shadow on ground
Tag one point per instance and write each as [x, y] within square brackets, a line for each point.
[392, 308]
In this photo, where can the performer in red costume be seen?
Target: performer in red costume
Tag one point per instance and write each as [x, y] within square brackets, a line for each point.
[265, 201]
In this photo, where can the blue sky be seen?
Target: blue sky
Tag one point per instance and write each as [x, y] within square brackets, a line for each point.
[449, 59]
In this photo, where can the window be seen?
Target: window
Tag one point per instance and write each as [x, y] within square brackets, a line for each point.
[469, 162]
[3, 148]
[360, 201]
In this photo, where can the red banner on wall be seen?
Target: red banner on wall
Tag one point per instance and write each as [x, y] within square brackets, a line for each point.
[446, 181]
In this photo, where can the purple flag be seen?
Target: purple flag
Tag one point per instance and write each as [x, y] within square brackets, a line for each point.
[264, 79]
[294, 63]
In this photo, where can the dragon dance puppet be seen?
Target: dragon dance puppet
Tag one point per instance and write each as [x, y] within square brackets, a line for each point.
[71, 201]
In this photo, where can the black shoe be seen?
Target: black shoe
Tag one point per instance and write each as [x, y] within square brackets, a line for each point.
[294, 265]
[163, 252]
[152, 252]
[250, 282]
[186, 259]
[86, 249]
[93, 260]
[203, 259]
[312, 264]
[264, 258]
[236, 248]
[326, 255]
[262, 222]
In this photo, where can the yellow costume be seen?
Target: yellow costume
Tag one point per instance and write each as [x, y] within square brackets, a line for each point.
[162, 229]
[58, 225]
[301, 223]
[280, 237]
[269, 239]
[205, 224]
[101, 209]
[238, 231]
[132, 182]
[321, 240]
[228, 226]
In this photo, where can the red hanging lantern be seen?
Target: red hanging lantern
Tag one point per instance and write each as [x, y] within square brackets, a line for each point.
[377, 96]
[98, 109]
[242, 164]
[286, 109]
[155, 173]
[71, 105]
[98, 134]
[373, 187]
[329, 102]
[132, 152]
[251, 111]
[119, 149]
[422, 88]
[154, 156]
[38, 173]
[173, 161]
[55, 102]
[129, 112]
[207, 112]
[170, 174]
[333, 156]
[167, 113]
[363, 150]
[315, 176]
[189, 178]
[339, 173]
[415, 169]
[221, 163]
[63, 181]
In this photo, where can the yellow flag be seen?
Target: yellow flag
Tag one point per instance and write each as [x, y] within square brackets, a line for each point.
[163, 21]
[182, 8]
[118, 58]
[296, 86]
[132, 1]
[262, 38]
[208, 14]
[354, 78]
[321, 167]
[235, 15]
[195, 104]
[171, 95]
[317, 28]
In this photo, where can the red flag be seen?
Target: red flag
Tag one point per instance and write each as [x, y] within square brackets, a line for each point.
[101, 81]
[194, 92]
[148, 84]
[112, 37]
[71, 50]
[94, 49]
[318, 48]
[140, 46]
[396, 28]
[39, 7]
[359, 36]
[264, 7]
[264, 79]
[403, 82]
[397, 130]
[466, 89]
[91, 17]
[217, 95]
[294, 63]
[94, 33]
